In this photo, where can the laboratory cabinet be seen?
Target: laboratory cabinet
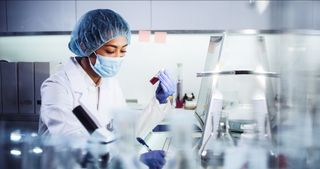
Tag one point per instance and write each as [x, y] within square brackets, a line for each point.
[211, 15]
[297, 14]
[41, 73]
[39, 16]
[26, 87]
[189, 15]
[3, 18]
[20, 87]
[257, 15]
[0, 90]
[316, 15]
[136, 13]
[33, 16]
[9, 88]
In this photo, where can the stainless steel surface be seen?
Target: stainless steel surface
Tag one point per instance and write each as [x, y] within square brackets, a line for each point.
[237, 72]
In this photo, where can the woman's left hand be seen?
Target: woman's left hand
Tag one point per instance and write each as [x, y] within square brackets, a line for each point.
[165, 88]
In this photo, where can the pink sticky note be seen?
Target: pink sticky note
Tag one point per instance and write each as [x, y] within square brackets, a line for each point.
[144, 36]
[160, 37]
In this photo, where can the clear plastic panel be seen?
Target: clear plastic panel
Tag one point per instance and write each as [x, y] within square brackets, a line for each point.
[268, 85]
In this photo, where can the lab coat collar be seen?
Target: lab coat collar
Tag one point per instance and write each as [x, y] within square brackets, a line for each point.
[76, 80]
[78, 84]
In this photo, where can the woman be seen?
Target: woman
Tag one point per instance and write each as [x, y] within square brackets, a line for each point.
[99, 40]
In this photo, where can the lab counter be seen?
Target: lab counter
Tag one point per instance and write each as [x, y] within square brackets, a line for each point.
[19, 141]
[23, 149]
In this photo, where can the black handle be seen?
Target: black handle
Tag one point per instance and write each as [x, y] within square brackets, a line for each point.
[85, 119]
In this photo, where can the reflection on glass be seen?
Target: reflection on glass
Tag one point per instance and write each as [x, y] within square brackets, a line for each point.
[260, 99]
[181, 154]
[299, 102]
[239, 90]
[15, 136]
[15, 152]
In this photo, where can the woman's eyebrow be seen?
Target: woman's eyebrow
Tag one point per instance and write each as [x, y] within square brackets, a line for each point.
[115, 46]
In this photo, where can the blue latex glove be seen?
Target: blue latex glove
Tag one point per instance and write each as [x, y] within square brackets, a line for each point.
[153, 159]
[165, 88]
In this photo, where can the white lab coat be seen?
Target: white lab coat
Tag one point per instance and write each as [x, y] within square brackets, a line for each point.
[71, 86]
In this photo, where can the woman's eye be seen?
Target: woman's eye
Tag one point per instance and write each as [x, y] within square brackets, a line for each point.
[123, 51]
[109, 52]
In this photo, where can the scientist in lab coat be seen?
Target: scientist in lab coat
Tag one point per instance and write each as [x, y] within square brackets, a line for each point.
[99, 40]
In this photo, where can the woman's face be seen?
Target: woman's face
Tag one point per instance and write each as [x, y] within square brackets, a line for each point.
[116, 47]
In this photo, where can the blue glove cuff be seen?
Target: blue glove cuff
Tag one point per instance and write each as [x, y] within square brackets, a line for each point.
[162, 101]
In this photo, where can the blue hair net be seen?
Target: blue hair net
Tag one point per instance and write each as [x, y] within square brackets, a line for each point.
[95, 28]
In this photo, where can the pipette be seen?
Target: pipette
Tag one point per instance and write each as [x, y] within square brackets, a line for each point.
[141, 141]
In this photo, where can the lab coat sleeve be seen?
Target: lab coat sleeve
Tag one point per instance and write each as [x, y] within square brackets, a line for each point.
[151, 116]
[56, 109]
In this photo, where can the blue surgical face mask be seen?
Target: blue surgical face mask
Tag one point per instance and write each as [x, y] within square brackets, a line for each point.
[106, 66]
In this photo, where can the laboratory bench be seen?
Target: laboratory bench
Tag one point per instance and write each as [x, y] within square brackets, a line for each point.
[15, 127]
[12, 151]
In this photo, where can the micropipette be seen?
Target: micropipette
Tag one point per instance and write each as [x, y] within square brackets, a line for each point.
[141, 141]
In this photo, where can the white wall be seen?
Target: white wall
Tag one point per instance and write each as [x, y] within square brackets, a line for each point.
[53, 49]
[143, 59]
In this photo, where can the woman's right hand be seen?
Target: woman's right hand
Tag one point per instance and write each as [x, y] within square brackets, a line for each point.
[154, 159]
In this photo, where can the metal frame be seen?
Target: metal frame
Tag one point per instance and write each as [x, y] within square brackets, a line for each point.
[237, 72]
